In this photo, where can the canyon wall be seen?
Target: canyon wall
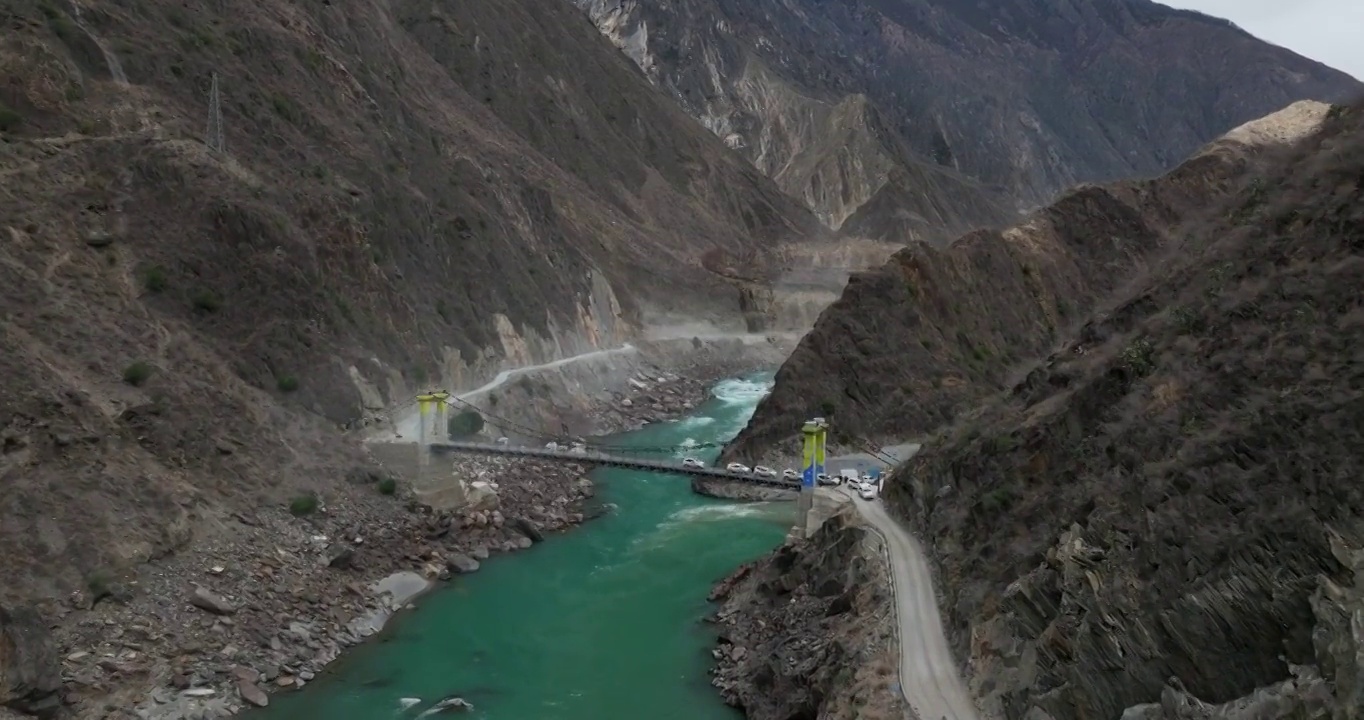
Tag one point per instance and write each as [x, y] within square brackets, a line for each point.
[1165, 513]
[919, 121]
[402, 195]
[916, 341]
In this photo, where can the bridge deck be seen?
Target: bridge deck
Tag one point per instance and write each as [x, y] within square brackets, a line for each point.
[593, 458]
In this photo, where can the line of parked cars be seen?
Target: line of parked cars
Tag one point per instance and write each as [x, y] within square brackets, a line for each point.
[761, 471]
[742, 469]
[866, 486]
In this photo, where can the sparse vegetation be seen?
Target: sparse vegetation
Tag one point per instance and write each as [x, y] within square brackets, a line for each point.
[137, 373]
[1139, 357]
[9, 119]
[388, 486]
[1185, 319]
[206, 301]
[305, 504]
[345, 309]
[100, 585]
[1001, 444]
[154, 279]
[287, 384]
[285, 108]
[58, 21]
[997, 500]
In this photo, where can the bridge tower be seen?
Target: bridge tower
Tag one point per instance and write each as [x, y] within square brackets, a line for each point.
[426, 406]
[442, 415]
[808, 474]
[821, 445]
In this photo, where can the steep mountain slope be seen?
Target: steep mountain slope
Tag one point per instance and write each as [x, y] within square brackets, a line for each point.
[1167, 511]
[409, 193]
[1025, 97]
[914, 342]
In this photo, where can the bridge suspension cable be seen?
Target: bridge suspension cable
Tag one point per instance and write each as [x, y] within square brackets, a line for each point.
[509, 424]
[541, 435]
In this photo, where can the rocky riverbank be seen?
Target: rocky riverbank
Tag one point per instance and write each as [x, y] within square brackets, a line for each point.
[273, 599]
[809, 630]
[671, 384]
[264, 600]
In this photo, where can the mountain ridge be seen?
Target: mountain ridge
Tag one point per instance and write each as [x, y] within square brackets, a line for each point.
[917, 340]
[1020, 100]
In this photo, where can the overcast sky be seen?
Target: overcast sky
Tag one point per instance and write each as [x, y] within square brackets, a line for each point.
[1328, 31]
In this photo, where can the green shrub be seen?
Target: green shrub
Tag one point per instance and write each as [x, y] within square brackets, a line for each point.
[207, 301]
[997, 500]
[467, 423]
[154, 280]
[288, 383]
[1139, 357]
[388, 486]
[137, 373]
[303, 505]
[99, 583]
[9, 119]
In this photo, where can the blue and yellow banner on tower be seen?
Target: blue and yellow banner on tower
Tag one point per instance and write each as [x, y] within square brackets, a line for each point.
[810, 449]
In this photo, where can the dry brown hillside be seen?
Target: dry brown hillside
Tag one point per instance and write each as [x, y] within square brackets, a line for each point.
[915, 341]
[409, 192]
[1168, 510]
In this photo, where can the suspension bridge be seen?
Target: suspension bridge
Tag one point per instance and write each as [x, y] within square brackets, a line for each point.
[434, 484]
[603, 459]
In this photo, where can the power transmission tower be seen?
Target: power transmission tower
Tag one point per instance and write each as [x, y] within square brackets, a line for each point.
[215, 117]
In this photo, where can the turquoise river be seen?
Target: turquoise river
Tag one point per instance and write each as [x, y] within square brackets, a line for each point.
[603, 622]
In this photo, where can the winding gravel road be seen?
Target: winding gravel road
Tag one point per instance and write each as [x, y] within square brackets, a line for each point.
[928, 673]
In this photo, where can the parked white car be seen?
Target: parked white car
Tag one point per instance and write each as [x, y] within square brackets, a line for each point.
[790, 474]
[551, 446]
[866, 492]
[502, 441]
[738, 468]
[692, 463]
[826, 479]
[764, 471]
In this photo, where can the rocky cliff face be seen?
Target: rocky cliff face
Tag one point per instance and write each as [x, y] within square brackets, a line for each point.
[916, 341]
[408, 193]
[1164, 519]
[807, 632]
[920, 119]
[30, 673]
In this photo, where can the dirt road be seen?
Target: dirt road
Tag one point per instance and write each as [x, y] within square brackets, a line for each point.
[928, 673]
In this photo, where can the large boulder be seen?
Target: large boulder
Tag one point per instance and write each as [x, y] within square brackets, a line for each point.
[481, 496]
[30, 673]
